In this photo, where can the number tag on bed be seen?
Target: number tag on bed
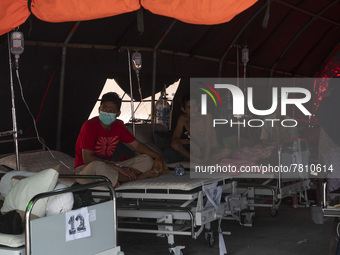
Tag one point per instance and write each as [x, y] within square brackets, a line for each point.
[77, 224]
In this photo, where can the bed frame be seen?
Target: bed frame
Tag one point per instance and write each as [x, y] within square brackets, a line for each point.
[172, 205]
[276, 187]
[103, 238]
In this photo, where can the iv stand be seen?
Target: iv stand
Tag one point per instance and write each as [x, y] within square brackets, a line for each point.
[131, 95]
[238, 85]
[14, 120]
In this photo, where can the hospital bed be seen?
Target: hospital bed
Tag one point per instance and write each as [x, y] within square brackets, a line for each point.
[172, 205]
[179, 205]
[168, 199]
[329, 210]
[64, 233]
[268, 188]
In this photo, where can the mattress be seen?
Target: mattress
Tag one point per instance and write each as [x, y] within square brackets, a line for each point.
[168, 181]
[38, 161]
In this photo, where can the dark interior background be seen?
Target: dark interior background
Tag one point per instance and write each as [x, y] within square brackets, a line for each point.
[299, 39]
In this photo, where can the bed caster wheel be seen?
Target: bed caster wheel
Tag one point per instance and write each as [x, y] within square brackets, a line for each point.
[272, 212]
[173, 253]
[210, 238]
[176, 250]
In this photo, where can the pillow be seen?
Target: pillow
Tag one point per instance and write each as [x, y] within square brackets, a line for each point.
[12, 240]
[7, 181]
[20, 195]
[60, 203]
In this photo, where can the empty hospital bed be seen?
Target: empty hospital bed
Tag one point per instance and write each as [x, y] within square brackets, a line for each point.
[172, 205]
[274, 181]
[88, 230]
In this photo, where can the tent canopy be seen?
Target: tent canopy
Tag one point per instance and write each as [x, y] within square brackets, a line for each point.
[291, 38]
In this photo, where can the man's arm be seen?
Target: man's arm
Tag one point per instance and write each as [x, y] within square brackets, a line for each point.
[176, 136]
[177, 142]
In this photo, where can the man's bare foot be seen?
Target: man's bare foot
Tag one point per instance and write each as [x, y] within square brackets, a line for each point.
[148, 174]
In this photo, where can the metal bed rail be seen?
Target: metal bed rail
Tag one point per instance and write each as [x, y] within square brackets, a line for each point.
[105, 183]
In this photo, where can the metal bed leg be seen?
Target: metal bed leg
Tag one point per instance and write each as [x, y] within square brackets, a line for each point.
[175, 250]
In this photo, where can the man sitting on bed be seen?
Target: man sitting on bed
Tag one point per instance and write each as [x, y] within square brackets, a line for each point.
[198, 143]
[98, 139]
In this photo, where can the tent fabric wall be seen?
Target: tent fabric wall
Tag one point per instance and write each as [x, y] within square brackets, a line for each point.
[290, 46]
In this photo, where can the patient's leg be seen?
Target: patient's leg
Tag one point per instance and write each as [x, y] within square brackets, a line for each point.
[97, 168]
[141, 162]
[148, 174]
[139, 175]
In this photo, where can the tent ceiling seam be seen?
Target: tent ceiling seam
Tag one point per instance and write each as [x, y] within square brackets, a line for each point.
[308, 12]
[297, 35]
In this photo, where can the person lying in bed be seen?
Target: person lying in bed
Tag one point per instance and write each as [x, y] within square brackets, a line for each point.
[273, 134]
[198, 143]
[98, 139]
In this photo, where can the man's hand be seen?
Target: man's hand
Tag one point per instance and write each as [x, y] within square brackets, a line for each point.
[126, 171]
[159, 164]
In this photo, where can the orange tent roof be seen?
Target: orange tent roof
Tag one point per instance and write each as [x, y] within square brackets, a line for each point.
[15, 12]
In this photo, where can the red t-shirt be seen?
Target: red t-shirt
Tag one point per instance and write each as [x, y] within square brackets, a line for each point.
[103, 142]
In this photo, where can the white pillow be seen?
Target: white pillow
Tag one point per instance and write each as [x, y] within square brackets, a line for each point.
[7, 181]
[20, 195]
[12, 240]
[60, 203]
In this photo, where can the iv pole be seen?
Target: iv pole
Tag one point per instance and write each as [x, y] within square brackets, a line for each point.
[136, 61]
[14, 132]
[131, 95]
[245, 60]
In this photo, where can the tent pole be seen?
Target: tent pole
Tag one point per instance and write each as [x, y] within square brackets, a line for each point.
[162, 51]
[317, 16]
[153, 91]
[236, 38]
[62, 85]
[61, 98]
[297, 35]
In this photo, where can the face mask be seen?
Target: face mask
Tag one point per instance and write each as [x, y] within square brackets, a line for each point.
[107, 118]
